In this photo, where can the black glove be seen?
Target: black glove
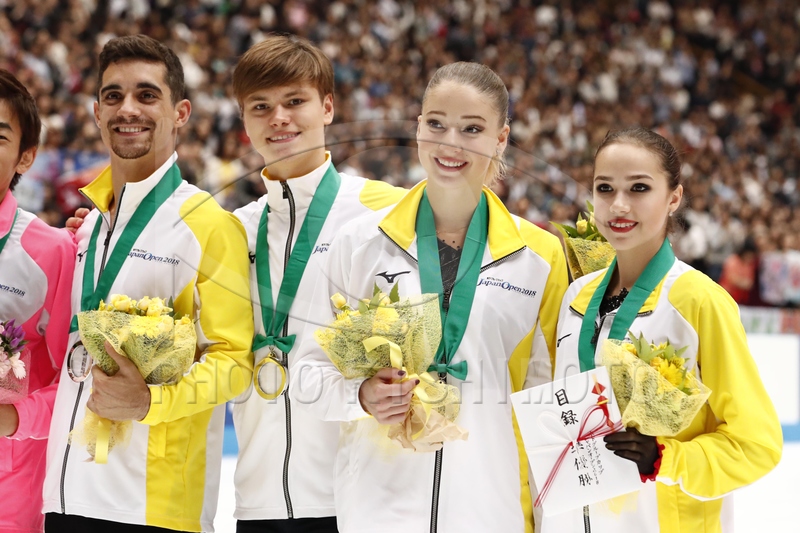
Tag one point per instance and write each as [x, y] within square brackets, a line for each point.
[632, 445]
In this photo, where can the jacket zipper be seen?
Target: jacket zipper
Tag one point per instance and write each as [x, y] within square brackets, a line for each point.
[643, 313]
[502, 259]
[483, 268]
[437, 466]
[414, 259]
[80, 385]
[587, 526]
[287, 193]
[437, 481]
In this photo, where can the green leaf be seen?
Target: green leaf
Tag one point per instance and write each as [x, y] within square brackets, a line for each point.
[645, 353]
[362, 307]
[669, 351]
[375, 290]
[589, 206]
[394, 294]
[566, 231]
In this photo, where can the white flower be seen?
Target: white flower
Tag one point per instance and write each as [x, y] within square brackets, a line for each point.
[2, 329]
[5, 366]
[18, 367]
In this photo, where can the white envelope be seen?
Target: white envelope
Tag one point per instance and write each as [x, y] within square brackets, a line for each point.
[550, 418]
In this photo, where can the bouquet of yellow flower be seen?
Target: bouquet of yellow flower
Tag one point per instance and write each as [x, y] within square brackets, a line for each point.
[587, 250]
[657, 393]
[386, 332]
[147, 333]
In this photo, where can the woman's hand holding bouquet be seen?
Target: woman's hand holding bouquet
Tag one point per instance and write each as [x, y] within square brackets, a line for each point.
[393, 342]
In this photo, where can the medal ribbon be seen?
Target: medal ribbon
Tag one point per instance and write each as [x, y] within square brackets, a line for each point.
[454, 321]
[274, 316]
[647, 282]
[5, 239]
[91, 295]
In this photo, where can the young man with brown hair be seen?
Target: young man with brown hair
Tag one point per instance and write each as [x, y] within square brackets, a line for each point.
[284, 474]
[150, 234]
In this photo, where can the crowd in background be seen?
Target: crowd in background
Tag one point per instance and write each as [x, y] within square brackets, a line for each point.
[721, 80]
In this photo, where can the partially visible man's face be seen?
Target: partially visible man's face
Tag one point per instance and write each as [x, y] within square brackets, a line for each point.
[11, 161]
[135, 111]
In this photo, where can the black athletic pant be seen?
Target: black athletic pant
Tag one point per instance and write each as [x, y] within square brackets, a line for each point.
[292, 525]
[67, 523]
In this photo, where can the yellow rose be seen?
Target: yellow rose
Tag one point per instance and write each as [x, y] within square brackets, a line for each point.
[630, 348]
[143, 304]
[582, 225]
[120, 302]
[156, 307]
[142, 327]
[339, 301]
[385, 301]
[185, 320]
[165, 324]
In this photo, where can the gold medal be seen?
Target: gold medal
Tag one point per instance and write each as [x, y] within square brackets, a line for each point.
[269, 377]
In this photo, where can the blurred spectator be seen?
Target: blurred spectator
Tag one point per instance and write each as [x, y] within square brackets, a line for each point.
[721, 80]
[739, 273]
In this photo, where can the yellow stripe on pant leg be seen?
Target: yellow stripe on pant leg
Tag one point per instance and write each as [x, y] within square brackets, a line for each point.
[176, 482]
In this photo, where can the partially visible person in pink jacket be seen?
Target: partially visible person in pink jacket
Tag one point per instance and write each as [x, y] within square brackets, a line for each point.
[36, 267]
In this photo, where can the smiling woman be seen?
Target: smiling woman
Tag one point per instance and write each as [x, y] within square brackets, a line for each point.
[735, 438]
[499, 282]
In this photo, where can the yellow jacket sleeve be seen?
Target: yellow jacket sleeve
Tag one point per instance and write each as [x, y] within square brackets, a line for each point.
[221, 294]
[742, 438]
[543, 338]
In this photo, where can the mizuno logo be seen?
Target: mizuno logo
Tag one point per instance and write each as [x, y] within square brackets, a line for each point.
[558, 342]
[252, 257]
[391, 277]
[80, 256]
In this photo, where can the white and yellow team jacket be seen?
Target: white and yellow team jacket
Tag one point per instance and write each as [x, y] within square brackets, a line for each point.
[168, 474]
[483, 483]
[285, 464]
[734, 440]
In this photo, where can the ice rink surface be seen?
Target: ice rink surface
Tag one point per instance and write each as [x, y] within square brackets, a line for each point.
[769, 505]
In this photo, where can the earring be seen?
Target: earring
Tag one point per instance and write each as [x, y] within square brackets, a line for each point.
[671, 213]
